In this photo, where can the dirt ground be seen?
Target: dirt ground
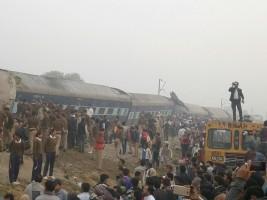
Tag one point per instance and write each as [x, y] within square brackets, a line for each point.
[69, 164]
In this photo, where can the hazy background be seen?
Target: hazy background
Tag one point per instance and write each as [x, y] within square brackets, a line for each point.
[199, 47]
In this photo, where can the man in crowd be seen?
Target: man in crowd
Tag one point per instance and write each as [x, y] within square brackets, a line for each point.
[103, 188]
[148, 192]
[64, 139]
[50, 150]
[32, 129]
[85, 189]
[59, 191]
[81, 134]
[58, 127]
[35, 188]
[16, 156]
[8, 125]
[49, 192]
[72, 130]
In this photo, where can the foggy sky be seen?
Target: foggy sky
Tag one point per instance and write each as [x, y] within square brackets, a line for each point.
[199, 47]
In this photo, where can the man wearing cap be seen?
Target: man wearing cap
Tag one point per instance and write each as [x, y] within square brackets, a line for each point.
[236, 98]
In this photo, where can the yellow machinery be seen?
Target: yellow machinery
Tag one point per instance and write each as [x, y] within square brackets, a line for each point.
[227, 142]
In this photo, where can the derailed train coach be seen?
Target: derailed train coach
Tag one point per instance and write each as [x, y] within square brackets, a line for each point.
[208, 112]
[149, 103]
[106, 101]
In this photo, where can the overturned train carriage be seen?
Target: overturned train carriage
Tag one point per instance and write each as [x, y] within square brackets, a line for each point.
[218, 113]
[112, 102]
[105, 100]
[208, 112]
[149, 103]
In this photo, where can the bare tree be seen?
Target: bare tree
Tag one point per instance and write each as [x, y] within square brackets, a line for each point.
[54, 74]
[61, 75]
[73, 76]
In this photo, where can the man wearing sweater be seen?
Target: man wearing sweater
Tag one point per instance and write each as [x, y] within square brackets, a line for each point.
[37, 155]
[16, 154]
[50, 150]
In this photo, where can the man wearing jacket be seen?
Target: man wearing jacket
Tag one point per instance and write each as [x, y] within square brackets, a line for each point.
[81, 134]
[236, 98]
[72, 130]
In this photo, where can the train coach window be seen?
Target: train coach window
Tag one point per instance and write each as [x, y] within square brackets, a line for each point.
[110, 111]
[131, 115]
[126, 111]
[118, 111]
[250, 138]
[122, 112]
[136, 115]
[101, 111]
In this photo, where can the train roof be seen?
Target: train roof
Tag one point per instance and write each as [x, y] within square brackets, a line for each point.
[197, 110]
[217, 113]
[211, 112]
[150, 100]
[70, 88]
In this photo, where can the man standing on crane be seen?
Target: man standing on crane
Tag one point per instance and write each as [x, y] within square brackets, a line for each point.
[236, 98]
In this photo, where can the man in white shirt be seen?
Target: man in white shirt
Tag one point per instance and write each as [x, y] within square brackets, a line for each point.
[90, 112]
[84, 195]
[148, 192]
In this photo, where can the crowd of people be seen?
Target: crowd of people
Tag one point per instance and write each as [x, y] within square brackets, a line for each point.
[45, 131]
[195, 180]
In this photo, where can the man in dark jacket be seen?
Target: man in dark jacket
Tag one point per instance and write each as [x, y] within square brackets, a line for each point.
[103, 190]
[16, 155]
[236, 98]
[81, 134]
[72, 130]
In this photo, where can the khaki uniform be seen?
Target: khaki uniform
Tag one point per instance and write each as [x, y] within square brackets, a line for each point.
[44, 126]
[64, 137]
[33, 123]
[58, 126]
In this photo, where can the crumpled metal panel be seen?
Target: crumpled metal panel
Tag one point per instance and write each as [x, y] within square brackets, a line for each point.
[150, 100]
[197, 110]
[217, 113]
